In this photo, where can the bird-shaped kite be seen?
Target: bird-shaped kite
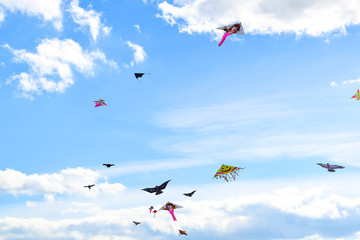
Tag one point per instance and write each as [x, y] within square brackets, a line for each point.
[189, 194]
[89, 186]
[170, 207]
[231, 29]
[227, 172]
[136, 223]
[357, 95]
[99, 103]
[151, 208]
[108, 165]
[329, 167]
[157, 189]
[139, 75]
[182, 232]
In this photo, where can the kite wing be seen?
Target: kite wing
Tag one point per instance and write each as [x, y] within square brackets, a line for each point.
[336, 166]
[322, 165]
[226, 172]
[150, 190]
[163, 186]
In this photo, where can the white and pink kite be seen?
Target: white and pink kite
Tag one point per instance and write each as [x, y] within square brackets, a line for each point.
[170, 207]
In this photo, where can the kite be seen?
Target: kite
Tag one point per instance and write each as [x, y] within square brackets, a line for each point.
[189, 194]
[357, 95]
[99, 103]
[226, 170]
[154, 212]
[108, 165]
[151, 208]
[157, 189]
[136, 223]
[139, 75]
[329, 167]
[170, 207]
[89, 186]
[230, 29]
[182, 232]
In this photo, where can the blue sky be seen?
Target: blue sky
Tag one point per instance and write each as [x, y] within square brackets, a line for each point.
[276, 101]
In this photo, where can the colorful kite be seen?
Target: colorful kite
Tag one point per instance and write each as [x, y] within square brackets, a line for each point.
[154, 212]
[139, 75]
[226, 172]
[357, 95]
[170, 207]
[157, 189]
[99, 103]
[231, 29]
[181, 232]
[189, 194]
[329, 167]
[151, 208]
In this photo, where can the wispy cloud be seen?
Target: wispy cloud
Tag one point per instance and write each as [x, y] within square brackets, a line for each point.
[263, 17]
[351, 81]
[253, 130]
[222, 116]
[88, 18]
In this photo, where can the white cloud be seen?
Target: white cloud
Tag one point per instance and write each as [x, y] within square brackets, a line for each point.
[49, 10]
[314, 18]
[137, 28]
[69, 181]
[333, 84]
[351, 81]
[54, 59]
[227, 209]
[2, 15]
[89, 19]
[139, 53]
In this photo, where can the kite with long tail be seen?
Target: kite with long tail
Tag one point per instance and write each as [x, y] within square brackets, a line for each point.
[170, 207]
[231, 29]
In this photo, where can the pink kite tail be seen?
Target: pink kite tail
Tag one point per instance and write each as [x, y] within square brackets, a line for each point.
[171, 211]
[150, 210]
[224, 37]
